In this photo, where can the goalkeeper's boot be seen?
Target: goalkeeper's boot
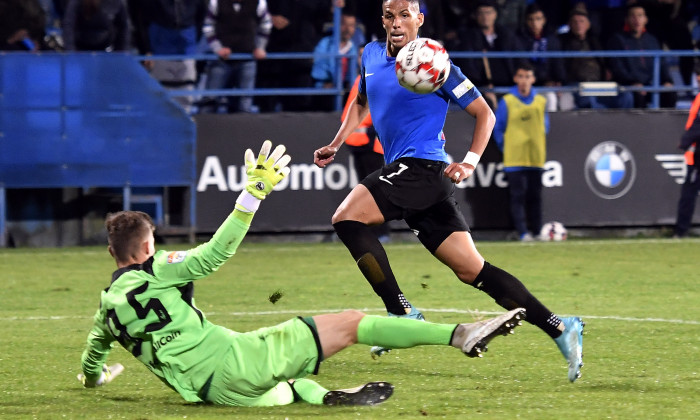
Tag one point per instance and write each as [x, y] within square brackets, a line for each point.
[474, 338]
[369, 394]
[377, 351]
[570, 343]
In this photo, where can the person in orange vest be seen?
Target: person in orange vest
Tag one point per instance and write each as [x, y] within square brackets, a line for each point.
[367, 152]
[691, 185]
[366, 149]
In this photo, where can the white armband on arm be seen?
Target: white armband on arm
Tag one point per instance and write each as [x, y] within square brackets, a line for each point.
[472, 159]
[247, 202]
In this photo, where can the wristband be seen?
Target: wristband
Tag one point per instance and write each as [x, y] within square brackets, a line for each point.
[472, 159]
[247, 202]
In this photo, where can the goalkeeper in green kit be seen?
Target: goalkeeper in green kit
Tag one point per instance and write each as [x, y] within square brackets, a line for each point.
[149, 309]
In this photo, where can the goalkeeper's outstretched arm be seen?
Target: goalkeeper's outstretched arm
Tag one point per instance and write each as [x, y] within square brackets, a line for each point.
[263, 174]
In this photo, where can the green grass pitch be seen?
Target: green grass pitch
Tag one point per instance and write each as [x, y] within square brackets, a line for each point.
[639, 299]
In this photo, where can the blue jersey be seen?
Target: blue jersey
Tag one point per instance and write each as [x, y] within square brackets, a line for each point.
[409, 124]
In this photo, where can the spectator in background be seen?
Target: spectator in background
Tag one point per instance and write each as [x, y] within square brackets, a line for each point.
[53, 39]
[535, 36]
[297, 26]
[693, 13]
[484, 72]
[557, 12]
[456, 20]
[588, 69]
[691, 185]
[366, 13]
[21, 25]
[235, 26]
[607, 16]
[347, 7]
[169, 27]
[166, 26]
[669, 23]
[522, 124]
[96, 25]
[511, 13]
[433, 20]
[325, 69]
[639, 71]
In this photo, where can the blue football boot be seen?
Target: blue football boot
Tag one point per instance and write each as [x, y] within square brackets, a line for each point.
[570, 343]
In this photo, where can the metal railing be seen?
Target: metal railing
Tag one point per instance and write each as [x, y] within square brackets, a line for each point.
[655, 88]
[338, 91]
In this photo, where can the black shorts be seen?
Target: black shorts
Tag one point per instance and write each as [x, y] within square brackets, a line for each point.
[415, 190]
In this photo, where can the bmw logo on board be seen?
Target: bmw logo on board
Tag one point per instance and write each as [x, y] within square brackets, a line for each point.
[610, 170]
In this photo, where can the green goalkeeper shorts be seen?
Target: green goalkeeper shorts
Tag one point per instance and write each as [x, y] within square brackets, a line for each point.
[255, 369]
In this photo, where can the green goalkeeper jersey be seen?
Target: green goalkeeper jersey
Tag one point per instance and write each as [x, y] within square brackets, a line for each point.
[149, 309]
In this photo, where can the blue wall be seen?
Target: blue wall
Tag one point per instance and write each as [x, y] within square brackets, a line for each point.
[84, 120]
[89, 120]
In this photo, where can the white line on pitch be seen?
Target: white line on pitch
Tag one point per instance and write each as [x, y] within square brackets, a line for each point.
[397, 245]
[372, 310]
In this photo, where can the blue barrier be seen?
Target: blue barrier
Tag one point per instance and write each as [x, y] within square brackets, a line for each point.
[90, 120]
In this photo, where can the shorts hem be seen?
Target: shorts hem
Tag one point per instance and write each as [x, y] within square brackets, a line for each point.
[319, 350]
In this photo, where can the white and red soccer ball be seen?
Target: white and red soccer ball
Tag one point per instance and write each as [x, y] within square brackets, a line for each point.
[553, 231]
[422, 65]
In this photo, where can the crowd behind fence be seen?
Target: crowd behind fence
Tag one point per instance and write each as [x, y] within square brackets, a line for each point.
[261, 49]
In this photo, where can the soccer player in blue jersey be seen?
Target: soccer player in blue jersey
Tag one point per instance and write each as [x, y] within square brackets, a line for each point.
[417, 183]
[149, 309]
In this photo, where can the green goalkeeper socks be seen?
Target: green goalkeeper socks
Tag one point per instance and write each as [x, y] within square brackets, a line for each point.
[401, 333]
[309, 391]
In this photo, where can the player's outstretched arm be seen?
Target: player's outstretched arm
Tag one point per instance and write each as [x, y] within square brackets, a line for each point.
[357, 111]
[109, 373]
[263, 172]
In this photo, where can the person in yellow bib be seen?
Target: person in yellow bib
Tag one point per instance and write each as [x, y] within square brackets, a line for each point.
[522, 124]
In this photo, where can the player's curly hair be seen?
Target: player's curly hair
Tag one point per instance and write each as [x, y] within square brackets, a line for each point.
[126, 231]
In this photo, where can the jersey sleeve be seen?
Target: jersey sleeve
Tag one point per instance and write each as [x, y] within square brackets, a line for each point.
[459, 88]
[99, 344]
[180, 267]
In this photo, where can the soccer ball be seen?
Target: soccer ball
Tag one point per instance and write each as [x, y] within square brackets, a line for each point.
[422, 65]
[553, 231]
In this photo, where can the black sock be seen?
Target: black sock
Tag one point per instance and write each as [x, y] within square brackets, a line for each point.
[510, 293]
[371, 258]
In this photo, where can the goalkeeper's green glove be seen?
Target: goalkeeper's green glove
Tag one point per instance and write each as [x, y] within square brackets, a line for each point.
[263, 174]
[108, 374]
